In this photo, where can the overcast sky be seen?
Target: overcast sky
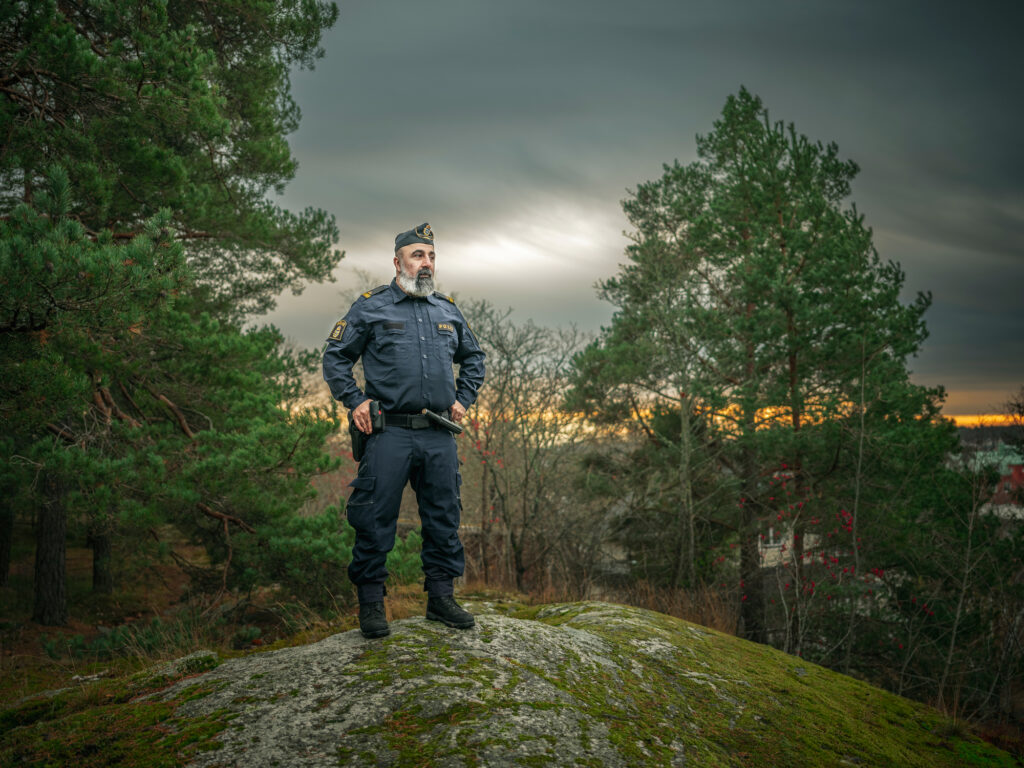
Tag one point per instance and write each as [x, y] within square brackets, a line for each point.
[516, 129]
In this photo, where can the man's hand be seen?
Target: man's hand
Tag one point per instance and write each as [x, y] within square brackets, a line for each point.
[361, 416]
[458, 411]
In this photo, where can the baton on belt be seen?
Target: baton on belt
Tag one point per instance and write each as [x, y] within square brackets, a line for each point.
[451, 426]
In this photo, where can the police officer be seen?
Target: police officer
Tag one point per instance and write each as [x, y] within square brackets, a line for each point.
[408, 336]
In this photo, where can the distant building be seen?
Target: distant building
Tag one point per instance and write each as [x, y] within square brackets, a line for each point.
[1008, 499]
[1010, 487]
[777, 546]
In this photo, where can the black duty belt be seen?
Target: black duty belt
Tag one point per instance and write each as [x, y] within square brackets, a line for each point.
[411, 420]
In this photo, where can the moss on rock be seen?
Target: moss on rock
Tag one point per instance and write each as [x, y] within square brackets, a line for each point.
[589, 684]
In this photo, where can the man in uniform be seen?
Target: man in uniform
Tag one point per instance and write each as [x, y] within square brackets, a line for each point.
[408, 336]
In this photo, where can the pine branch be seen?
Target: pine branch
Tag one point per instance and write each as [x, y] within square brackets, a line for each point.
[182, 422]
[61, 432]
[210, 512]
[121, 415]
[128, 397]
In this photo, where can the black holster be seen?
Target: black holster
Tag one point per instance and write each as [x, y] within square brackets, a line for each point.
[358, 440]
[358, 437]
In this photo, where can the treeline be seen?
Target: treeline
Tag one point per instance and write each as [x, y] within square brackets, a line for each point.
[743, 443]
[140, 143]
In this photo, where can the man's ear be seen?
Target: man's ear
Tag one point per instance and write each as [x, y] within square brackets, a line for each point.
[398, 269]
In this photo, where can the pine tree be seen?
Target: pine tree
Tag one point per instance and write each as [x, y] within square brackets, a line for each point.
[180, 106]
[66, 298]
[753, 296]
[141, 401]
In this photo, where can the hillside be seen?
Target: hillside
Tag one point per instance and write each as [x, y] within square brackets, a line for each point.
[572, 684]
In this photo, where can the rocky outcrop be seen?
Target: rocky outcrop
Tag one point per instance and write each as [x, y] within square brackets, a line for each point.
[575, 684]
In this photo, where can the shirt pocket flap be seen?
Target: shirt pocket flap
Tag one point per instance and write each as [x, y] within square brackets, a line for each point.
[363, 483]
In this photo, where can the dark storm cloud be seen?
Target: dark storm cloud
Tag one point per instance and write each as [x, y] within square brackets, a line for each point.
[531, 119]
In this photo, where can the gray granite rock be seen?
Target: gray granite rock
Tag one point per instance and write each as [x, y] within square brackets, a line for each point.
[579, 684]
[505, 692]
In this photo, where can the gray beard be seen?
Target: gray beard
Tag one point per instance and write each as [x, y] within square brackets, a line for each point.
[416, 286]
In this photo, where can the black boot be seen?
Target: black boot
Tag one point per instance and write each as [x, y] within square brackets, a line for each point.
[372, 621]
[445, 609]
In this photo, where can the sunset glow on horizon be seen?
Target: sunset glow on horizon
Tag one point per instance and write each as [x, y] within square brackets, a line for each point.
[980, 419]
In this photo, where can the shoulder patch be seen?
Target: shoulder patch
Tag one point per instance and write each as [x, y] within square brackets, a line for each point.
[442, 296]
[375, 291]
[339, 328]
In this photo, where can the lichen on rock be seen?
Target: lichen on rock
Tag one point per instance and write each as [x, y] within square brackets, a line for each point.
[571, 684]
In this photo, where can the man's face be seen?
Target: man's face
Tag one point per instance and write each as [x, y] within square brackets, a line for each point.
[415, 260]
[414, 269]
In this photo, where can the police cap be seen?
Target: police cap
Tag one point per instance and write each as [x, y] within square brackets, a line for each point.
[421, 234]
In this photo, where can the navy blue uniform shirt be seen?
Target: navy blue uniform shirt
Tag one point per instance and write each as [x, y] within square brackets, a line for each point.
[408, 346]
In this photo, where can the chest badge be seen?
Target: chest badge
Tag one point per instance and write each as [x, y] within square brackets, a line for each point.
[446, 327]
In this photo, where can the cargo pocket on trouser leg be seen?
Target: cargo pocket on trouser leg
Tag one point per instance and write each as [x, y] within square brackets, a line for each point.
[359, 508]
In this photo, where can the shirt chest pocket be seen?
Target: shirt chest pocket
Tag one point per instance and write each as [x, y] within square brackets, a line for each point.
[448, 339]
[389, 334]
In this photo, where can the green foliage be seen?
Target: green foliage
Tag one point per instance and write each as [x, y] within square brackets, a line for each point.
[760, 348]
[142, 639]
[182, 106]
[404, 559]
[305, 555]
[667, 505]
[244, 636]
[136, 235]
[67, 296]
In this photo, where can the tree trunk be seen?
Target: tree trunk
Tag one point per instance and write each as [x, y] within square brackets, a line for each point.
[796, 627]
[51, 596]
[520, 567]
[485, 526]
[752, 604]
[796, 407]
[102, 575]
[965, 584]
[857, 481]
[6, 538]
[686, 554]
[752, 599]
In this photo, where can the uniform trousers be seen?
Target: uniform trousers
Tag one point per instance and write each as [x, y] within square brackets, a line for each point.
[428, 460]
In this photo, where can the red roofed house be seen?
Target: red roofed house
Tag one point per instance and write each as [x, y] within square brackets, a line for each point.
[1008, 499]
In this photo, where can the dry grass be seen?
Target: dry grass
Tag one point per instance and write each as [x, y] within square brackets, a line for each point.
[405, 600]
[704, 606]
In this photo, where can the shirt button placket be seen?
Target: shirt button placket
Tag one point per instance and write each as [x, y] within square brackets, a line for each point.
[423, 349]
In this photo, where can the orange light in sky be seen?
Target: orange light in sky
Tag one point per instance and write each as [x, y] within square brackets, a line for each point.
[980, 419]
